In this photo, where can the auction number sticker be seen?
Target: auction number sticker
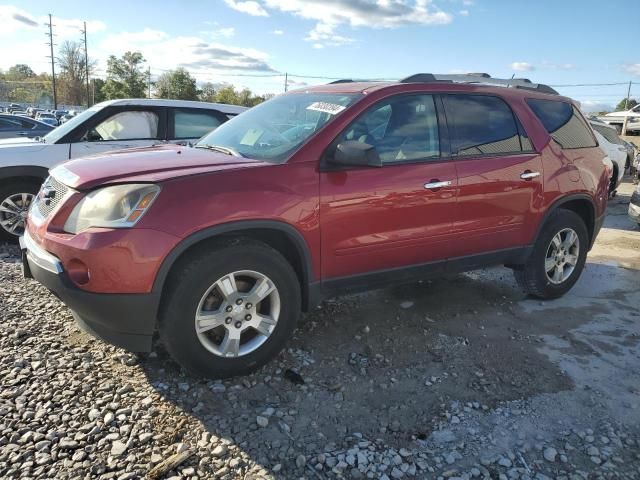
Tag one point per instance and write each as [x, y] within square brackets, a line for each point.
[324, 107]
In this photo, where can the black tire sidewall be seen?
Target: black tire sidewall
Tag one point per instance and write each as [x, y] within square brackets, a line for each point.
[177, 328]
[559, 221]
[8, 190]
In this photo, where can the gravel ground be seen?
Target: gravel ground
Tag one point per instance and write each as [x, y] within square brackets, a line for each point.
[461, 377]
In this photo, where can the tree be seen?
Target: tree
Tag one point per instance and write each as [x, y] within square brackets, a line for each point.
[176, 84]
[72, 78]
[621, 106]
[207, 93]
[20, 72]
[97, 84]
[125, 77]
[231, 96]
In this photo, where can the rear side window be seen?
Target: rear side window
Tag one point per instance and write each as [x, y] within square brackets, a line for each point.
[194, 123]
[482, 125]
[608, 133]
[563, 122]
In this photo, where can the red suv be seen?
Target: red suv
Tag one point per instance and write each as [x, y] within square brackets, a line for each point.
[318, 192]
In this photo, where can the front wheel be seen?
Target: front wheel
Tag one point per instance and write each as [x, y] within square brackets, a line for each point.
[230, 309]
[558, 256]
[15, 200]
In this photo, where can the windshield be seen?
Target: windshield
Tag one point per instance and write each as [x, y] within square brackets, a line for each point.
[57, 133]
[273, 130]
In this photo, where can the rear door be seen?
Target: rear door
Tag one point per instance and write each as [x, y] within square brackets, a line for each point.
[377, 219]
[118, 128]
[189, 124]
[499, 174]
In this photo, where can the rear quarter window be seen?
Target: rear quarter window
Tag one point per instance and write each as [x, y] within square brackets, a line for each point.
[563, 122]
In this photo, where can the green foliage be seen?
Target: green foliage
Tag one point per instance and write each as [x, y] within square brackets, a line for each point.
[21, 85]
[176, 84]
[621, 106]
[96, 90]
[20, 72]
[125, 77]
[228, 94]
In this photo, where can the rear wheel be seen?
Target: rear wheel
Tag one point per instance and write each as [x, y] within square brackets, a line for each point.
[558, 256]
[230, 309]
[15, 200]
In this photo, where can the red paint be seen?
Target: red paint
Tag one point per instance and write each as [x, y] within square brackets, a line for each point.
[354, 221]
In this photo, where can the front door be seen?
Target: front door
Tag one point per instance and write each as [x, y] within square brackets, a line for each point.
[376, 219]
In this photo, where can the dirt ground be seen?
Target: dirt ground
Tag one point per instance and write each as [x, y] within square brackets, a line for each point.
[459, 377]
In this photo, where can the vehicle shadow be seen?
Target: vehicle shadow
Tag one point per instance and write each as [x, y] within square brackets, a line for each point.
[389, 363]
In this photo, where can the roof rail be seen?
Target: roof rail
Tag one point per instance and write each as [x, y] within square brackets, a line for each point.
[483, 78]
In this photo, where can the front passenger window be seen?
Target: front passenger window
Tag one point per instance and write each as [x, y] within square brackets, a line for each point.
[135, 125]
[403, 128]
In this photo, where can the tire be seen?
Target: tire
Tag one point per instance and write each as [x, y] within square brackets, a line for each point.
[199, 279]
[8, 193]
[532, 276]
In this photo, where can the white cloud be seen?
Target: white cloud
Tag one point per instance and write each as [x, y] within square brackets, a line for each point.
[14, 20]
[356, 13]
[464, 13]
[632, 68]
[522, 67]
[594, 106]
[278, 32]
[250, 7]
[558, 66]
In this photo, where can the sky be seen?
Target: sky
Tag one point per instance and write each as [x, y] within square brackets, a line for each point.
[252, 43]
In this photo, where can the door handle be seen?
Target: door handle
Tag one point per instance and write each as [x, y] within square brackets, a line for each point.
[435, 184]
[529, 175]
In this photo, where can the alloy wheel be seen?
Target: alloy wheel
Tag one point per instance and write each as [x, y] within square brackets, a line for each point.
[562, 256]
[13, 212]
[237, 314]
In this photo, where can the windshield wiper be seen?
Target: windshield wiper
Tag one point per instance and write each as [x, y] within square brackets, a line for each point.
[218, 148]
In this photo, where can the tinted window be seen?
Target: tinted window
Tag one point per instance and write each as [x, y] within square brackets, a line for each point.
[563, 122]
[194, 124]
[481, 125]
[608, 133]
[9, 124]
[401, 129]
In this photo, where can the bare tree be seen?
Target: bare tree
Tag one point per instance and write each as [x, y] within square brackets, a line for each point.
[71, 61]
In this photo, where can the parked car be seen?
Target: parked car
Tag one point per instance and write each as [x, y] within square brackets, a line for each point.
[616, 119]
[614, 147]
[48, 118]
[12, 126]
[314, 193]
[112, 125]
[634, 206]
[33, 112]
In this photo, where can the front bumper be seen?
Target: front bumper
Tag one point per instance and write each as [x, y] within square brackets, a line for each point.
[123, 320]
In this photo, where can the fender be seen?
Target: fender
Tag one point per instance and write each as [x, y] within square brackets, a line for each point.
[238, 227]
[24, 171]
[561, 201]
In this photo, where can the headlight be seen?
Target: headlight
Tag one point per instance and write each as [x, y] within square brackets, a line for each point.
[119, 206]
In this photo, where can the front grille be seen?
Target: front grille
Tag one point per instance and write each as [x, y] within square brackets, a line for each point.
[50, 195]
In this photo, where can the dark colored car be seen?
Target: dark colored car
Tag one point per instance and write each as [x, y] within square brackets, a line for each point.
[17, 126]
[318, 192]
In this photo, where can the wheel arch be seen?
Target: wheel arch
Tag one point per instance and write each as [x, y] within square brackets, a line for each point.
[281, 236]
[580, 203]
[29, 173]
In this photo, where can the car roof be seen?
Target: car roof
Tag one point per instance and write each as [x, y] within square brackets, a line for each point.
[367, 87]
[160, 102]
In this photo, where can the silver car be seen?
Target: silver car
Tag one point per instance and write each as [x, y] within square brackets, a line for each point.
[15, 126]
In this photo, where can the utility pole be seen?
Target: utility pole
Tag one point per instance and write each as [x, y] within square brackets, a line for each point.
[86, 61]
[149, 81]
[53, 68]
[286, 82]
[626, 107]
[626, 102]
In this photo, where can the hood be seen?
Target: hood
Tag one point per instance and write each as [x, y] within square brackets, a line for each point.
[146, 164]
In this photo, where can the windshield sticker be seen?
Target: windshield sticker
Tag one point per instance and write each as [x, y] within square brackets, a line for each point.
[324, 107]
[251, 137]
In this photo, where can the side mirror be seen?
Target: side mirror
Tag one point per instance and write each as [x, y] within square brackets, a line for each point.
[357, 154]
